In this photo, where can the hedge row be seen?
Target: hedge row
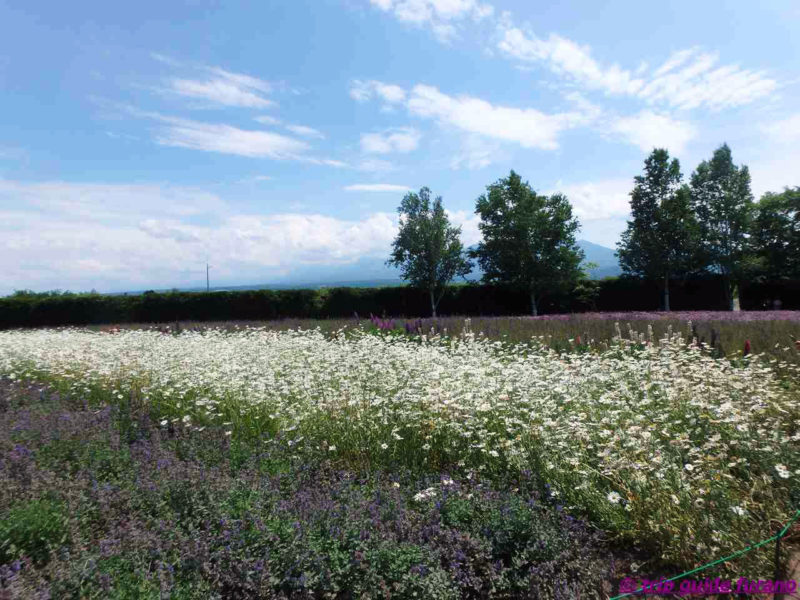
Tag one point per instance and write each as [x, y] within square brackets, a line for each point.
[619, 294]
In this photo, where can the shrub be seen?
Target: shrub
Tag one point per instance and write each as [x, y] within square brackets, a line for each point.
[33, 529]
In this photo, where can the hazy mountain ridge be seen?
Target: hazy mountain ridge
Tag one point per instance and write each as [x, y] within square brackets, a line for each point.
[371, 271]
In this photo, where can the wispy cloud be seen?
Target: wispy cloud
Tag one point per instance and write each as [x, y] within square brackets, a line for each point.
[219, 92]
[267, 120]
[376, 187]
[441, 16]
[221, 88]
[688, 79]
[476, 152]
[567, 58]
[403, 140]
[649, 130]
[305, 131]
[528, 127]
[226, 139]
[362, 91]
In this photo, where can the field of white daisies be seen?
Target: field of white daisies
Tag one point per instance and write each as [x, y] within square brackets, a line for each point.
[652, 440]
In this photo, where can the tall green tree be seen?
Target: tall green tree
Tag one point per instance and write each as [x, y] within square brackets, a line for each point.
[528, 239]
[661, 240]
[723, 202]
[427, 248]
[775, 234]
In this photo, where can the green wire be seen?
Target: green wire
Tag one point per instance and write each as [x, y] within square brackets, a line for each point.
[716, 562]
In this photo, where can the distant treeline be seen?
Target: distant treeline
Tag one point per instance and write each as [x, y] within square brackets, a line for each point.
[613, 294]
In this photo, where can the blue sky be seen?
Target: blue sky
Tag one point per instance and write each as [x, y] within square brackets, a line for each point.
[138, 140]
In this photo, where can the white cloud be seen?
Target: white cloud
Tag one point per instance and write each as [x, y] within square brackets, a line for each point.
[691, 79]
[305, 131]
[476, 152]
[649, 130]
[226, 139]
[224, 89]
[597, 200]
[403, 140]
[219, 92]
[376, 187]
[439, 15]
[529, 127]
[245, 81]
[688, 78]
[468, 221]
[568, 58]
[79, 236]
[167, 60]
[361, 91]
[785, 130]
[267, 120]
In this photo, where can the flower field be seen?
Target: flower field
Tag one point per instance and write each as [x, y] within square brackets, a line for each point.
[652, 440]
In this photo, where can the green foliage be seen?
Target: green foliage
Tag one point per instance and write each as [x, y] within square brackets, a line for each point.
[427, 249]
[528, 239]
[68, 456]
[33, 529]
[661, 240]
[299, 307]
[723, 202]
[776, 235]
[390, 568]
[189, 504]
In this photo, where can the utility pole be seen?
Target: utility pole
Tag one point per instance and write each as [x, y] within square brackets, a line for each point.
[208, 288]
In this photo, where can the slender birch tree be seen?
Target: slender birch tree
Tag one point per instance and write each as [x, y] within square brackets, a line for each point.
[427, 248]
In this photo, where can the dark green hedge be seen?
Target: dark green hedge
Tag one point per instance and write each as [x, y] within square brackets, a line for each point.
[618, 294]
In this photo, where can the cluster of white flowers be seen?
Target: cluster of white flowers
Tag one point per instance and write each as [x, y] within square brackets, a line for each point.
[425, 494]
[665, 421]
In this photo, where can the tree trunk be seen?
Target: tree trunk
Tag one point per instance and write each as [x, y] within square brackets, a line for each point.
[666, 292]
[728, 295]
[433, 304]
[735, 302]
[534, 311]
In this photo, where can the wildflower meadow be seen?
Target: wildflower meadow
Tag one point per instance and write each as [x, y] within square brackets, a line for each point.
[653, 441]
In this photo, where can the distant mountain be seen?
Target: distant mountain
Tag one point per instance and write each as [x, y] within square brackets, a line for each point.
[371, 271]
[607, 263]
[604, 258]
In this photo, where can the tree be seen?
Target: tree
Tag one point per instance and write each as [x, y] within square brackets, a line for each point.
[528, 239]
[723, 202]
[661, 239]
[775, 234]
[427, 249]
